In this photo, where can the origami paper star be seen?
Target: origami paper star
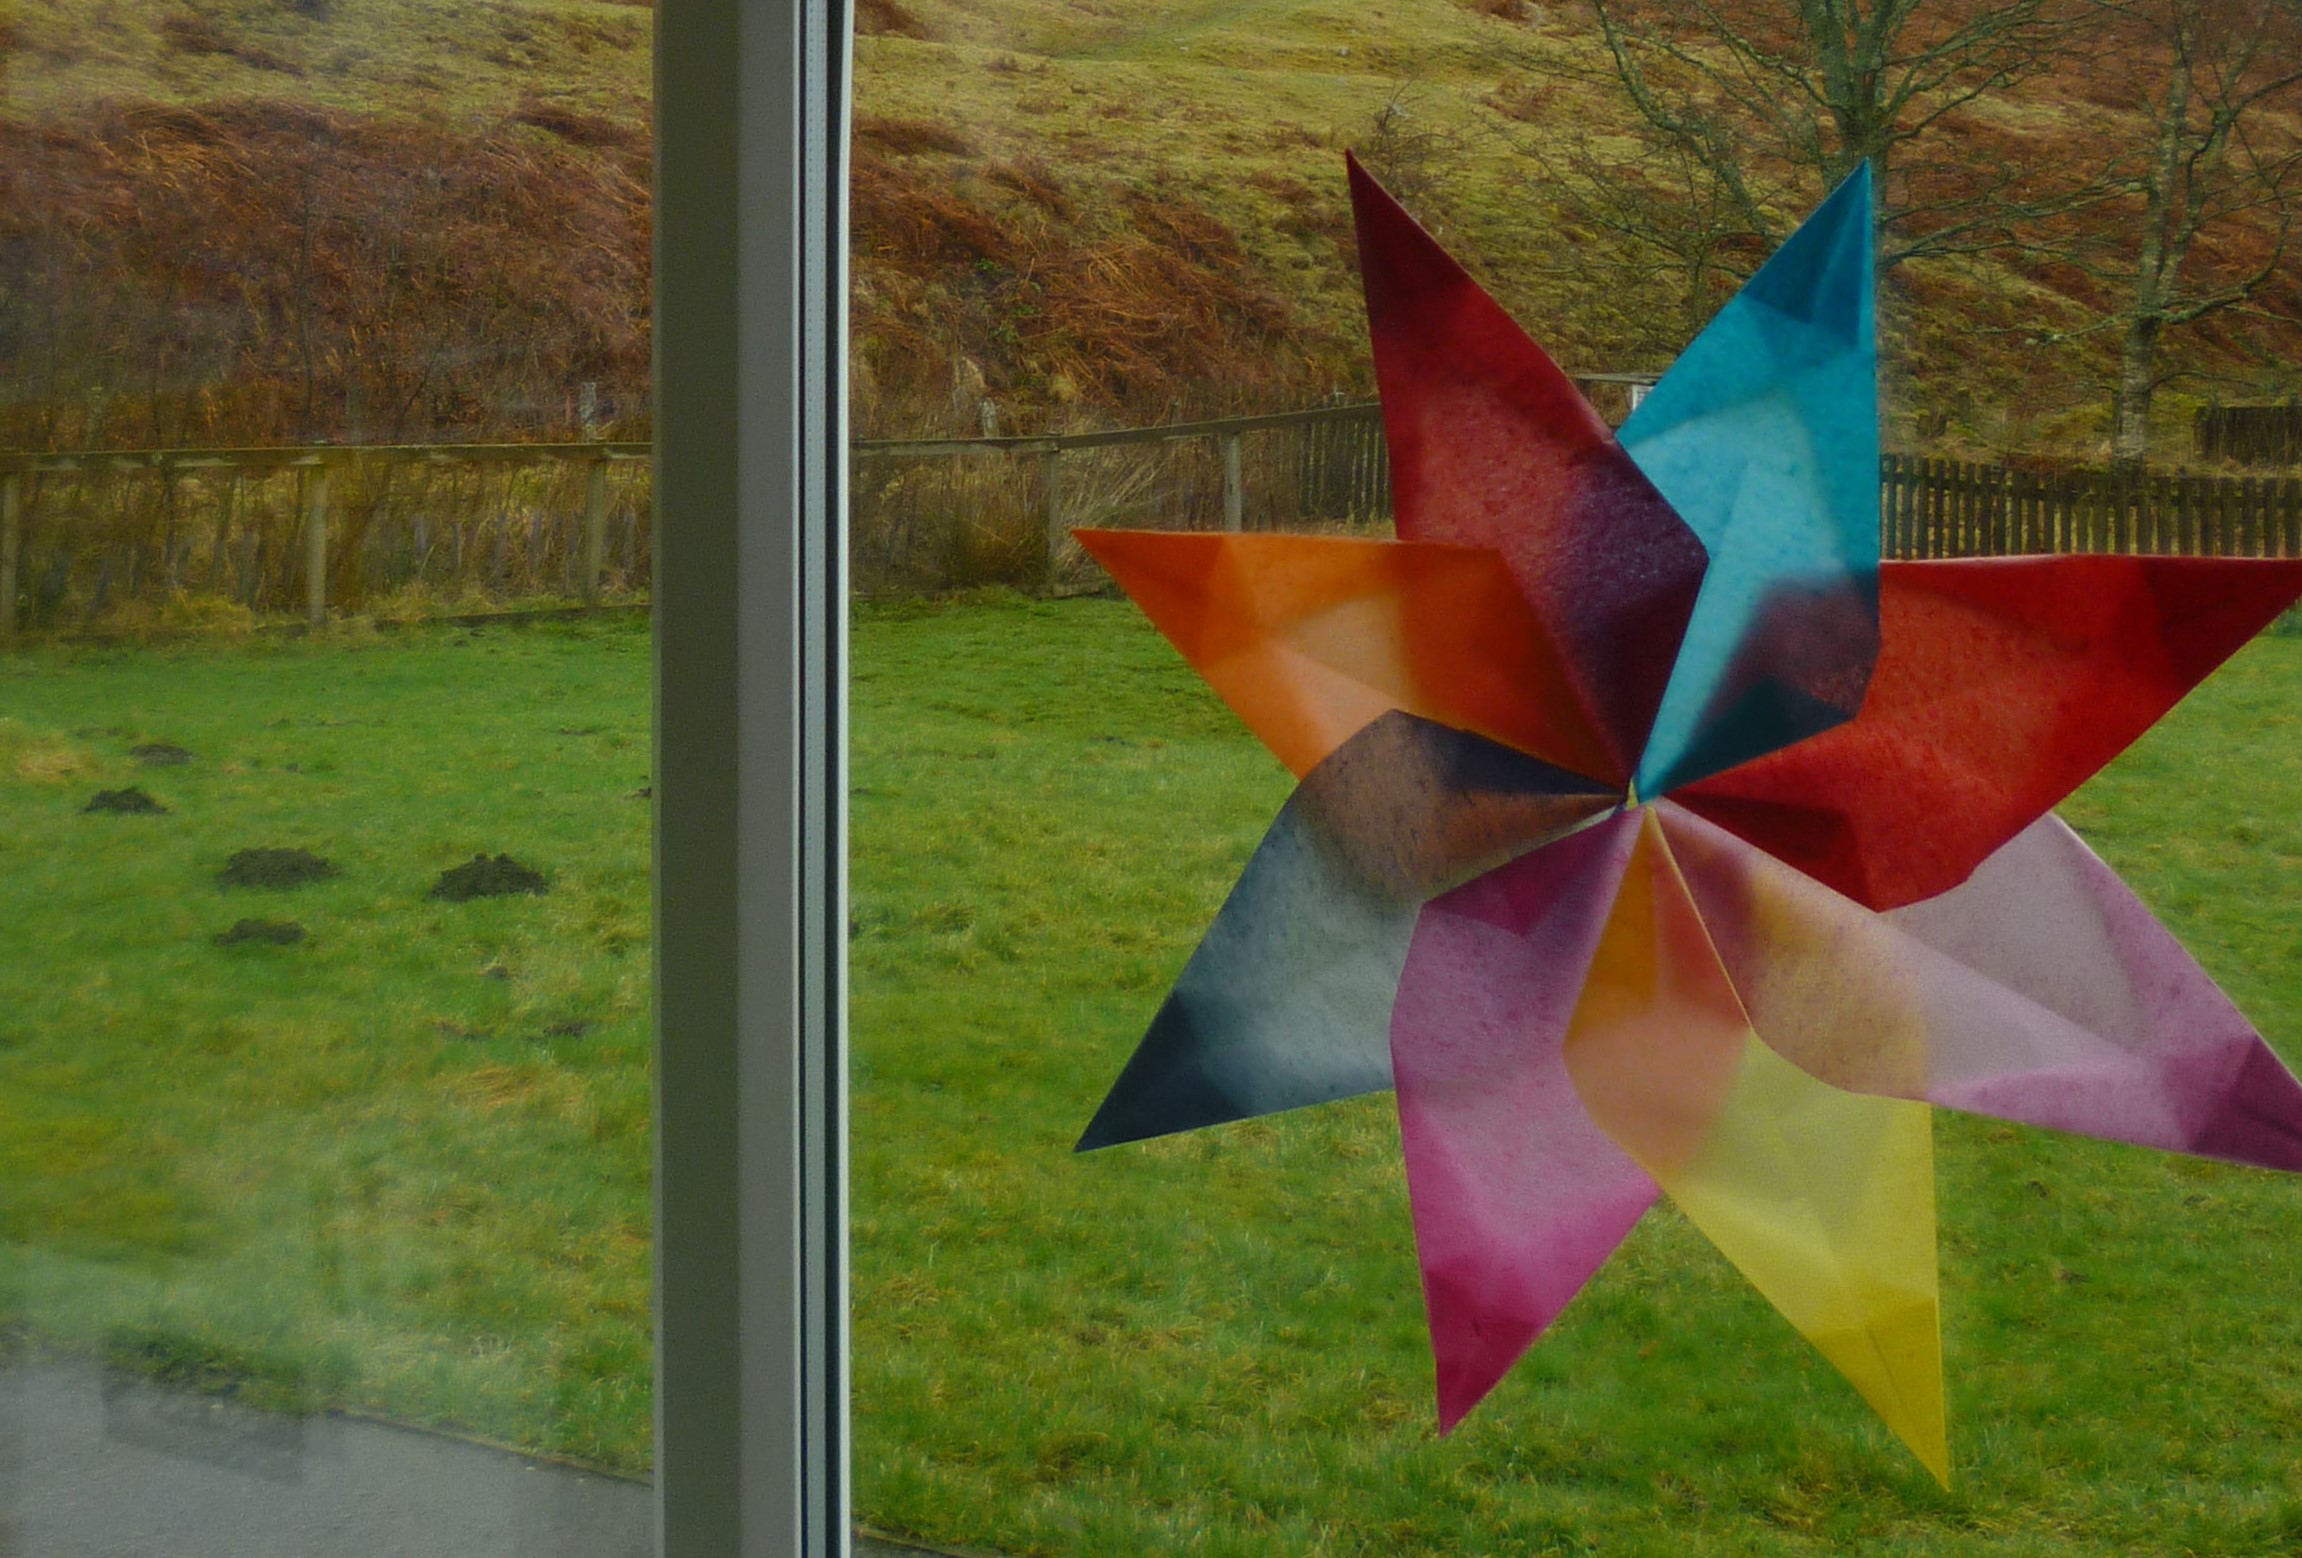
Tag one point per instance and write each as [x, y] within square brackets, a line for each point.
[1653, 835]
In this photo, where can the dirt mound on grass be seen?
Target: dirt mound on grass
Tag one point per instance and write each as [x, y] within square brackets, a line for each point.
[160, 754]
[130, 802]
[262, 933]
[275, 868]
[482, 877]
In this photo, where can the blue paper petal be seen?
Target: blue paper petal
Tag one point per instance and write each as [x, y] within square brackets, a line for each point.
[1764, 436]
[1288, 1000]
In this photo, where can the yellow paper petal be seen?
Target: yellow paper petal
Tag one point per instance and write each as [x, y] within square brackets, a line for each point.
[1823, 1199]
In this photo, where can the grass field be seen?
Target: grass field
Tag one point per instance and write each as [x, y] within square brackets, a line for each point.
[390, 1167]
[403, 1164]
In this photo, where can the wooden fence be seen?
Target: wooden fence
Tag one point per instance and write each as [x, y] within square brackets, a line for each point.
[956, 511]
[90, 537]
[2249, 435]
[94, 536]
[1948, 508]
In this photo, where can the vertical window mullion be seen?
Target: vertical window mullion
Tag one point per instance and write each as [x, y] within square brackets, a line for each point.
[750, 792]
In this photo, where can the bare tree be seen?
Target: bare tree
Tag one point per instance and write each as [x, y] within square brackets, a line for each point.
[1746, 111]
[1671, 224]
[2209, 206]
[1412, 155]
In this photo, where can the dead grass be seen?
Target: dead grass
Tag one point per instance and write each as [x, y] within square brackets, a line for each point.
[43, 756]
[188, 32]
[1060, 289]
[1036, 182]
[578, 128]
[910, 137]
[888, 18]
[1078, 210]
[316, 274]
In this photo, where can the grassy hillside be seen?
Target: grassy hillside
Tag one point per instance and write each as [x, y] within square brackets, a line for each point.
[463, 63]
[1069, 209]
[1245, 109]
[362, 220]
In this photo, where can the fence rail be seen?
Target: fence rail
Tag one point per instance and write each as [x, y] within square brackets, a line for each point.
[1317, 468]
[314, 530]
[308, 456]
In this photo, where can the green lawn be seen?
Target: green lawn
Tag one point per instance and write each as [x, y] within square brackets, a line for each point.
[403, 1164]
[367, 1169]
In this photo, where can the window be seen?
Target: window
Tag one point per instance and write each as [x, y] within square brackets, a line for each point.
[207, 1303]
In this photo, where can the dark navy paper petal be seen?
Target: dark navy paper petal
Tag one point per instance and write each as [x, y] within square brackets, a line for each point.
[1288, 1000]
[1764, 437]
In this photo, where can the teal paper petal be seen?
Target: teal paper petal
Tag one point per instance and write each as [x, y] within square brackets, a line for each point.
[1764, 437]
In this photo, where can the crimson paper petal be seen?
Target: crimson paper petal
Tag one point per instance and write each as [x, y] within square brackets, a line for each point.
[1492, 446]
[2002, 684]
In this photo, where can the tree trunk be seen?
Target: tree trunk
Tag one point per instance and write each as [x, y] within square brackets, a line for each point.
[2137, 379]
[2158, 263]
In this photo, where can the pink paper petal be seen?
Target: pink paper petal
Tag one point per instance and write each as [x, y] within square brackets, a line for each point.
[2040, 990]
[1518, 1197]
[2048, 920]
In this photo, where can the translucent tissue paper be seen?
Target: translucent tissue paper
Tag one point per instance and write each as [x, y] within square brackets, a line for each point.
[1655, 838]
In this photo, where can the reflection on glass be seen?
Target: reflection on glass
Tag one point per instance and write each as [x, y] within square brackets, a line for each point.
[323, 985]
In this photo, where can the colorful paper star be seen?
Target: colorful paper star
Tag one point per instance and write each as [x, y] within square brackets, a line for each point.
[1653, 836]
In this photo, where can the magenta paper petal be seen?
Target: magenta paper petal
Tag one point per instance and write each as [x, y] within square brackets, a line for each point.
[1518, 1196]
[2040, 990]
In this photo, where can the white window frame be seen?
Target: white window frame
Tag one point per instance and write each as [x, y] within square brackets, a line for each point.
[750, 792]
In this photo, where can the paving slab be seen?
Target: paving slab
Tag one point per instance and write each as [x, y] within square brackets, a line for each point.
[97, 1464]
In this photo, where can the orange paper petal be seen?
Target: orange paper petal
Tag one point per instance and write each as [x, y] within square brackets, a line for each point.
[1311, 638]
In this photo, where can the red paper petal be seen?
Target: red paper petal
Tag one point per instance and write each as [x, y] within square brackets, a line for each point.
[2002, 685]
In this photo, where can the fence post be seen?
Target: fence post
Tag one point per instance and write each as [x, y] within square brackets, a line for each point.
[594, 529]
[316, 545]
[1234, 489]
[1885, 505]
[165, 476]
[218, 552]
[1054, 496]
[11, 541]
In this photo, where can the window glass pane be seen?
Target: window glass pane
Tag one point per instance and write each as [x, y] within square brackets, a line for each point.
[324, 767]
[1075, 220]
